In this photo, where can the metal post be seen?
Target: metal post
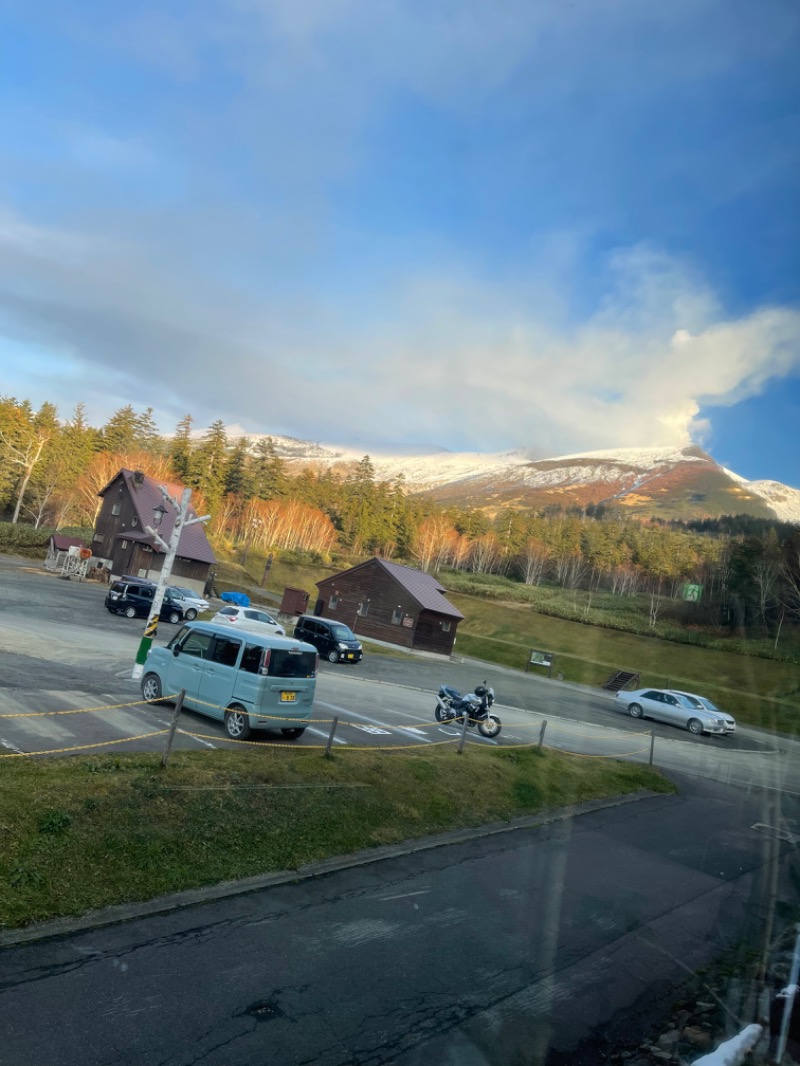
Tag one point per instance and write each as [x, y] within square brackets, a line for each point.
[463, 739]
[541, 733]
[334, 723]
[789, 994]
[652, 745]
[172, 727]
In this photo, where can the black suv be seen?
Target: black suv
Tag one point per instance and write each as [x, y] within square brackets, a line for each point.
[336, 641]
[133, 597]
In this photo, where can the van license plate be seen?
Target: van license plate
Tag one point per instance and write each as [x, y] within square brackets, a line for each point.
[288, 697]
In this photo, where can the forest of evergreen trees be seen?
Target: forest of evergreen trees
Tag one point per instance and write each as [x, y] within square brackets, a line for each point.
[51, 470]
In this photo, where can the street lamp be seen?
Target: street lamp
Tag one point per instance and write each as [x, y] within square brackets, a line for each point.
[171, 550]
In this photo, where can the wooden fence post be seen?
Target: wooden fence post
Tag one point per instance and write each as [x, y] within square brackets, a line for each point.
[334, 723]
[172, 727]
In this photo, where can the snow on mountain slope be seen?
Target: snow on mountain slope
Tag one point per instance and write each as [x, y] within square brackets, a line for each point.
[669, 481]
[783, 500]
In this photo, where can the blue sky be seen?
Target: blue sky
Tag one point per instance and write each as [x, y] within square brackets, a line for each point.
[558, 226]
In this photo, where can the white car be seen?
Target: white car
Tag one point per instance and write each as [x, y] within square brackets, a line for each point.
[191, 598]
[695, 713]
[255, 619]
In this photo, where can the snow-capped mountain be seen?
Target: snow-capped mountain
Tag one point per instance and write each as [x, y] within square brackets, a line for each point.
[668, 481]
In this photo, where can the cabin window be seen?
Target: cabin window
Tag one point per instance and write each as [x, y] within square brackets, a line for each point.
[397, 616]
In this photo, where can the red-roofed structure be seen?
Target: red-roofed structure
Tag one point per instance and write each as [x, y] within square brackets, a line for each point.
[120, 535]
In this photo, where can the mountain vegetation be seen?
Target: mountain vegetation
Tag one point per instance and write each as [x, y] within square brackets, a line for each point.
[738, 574]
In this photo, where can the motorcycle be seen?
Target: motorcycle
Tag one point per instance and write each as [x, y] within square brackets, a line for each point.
[451, 706]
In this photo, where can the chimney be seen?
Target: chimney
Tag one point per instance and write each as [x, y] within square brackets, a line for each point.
[138, 478]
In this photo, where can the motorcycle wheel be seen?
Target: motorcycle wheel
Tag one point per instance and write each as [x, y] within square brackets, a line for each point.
[441, 716]
[489, 726]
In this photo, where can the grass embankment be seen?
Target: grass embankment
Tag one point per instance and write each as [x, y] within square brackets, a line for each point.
[757, 691]
[627, 614]
[82, 833]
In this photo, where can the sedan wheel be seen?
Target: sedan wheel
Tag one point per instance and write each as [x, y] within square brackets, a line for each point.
[695, 726]
[151, 687]
[333, 656]
[635, 711]
[190, 615]
[237, 724]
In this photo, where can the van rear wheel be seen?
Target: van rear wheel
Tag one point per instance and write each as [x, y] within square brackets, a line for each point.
[237, 723]
[293, 734]
[130, 612]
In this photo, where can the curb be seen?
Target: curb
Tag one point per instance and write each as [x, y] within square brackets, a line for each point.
[126, 912]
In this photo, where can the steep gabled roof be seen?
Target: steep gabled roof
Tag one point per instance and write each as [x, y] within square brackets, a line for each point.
[146, 495]
[422, 587]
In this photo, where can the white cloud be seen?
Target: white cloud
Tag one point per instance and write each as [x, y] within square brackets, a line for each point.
[446, 357]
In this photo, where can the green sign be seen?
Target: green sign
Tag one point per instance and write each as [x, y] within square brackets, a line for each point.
[692, 592]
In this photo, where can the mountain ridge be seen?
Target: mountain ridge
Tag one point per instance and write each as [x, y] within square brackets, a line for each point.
[667, 481]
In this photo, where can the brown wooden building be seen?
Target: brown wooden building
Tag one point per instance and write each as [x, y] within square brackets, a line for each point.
[120, 536]
[390, 602]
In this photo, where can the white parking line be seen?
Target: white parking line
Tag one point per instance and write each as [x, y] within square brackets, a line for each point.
[199, 740]
[404, 730]
[324, 735]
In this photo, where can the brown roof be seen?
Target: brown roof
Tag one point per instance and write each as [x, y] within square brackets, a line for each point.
[422, 587]
[146, 495]
[62, 543]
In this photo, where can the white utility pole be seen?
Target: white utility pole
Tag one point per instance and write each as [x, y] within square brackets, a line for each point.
[171, 549]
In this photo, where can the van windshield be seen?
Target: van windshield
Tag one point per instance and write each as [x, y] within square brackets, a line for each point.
[341, 632]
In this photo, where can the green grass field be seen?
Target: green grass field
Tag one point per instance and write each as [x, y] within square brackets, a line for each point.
[86, 832]
[757, 691]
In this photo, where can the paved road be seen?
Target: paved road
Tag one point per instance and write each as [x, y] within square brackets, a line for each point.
[539, 946]
[60, 650]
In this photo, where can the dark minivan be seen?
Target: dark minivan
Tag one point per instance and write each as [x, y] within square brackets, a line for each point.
[336, 641]
[134, 598]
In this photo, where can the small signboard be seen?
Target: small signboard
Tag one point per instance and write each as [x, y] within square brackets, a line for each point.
[408, 621]
[540, 658]
[692, 593]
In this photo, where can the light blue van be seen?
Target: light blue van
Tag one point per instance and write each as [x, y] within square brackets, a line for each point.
[248, 680]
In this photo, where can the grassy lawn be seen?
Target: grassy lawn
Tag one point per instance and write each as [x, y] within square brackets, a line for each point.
[85, 832]
[757, 691]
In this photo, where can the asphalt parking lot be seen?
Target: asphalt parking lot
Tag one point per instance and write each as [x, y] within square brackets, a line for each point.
[62, 652]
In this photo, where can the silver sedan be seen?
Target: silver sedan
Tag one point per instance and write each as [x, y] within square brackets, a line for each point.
[684, 709]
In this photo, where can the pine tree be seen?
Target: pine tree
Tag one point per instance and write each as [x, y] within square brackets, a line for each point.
[207, 469]
[268, 471]
[181, 448]
[147, 438]
[238, 479]
[119, 433]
